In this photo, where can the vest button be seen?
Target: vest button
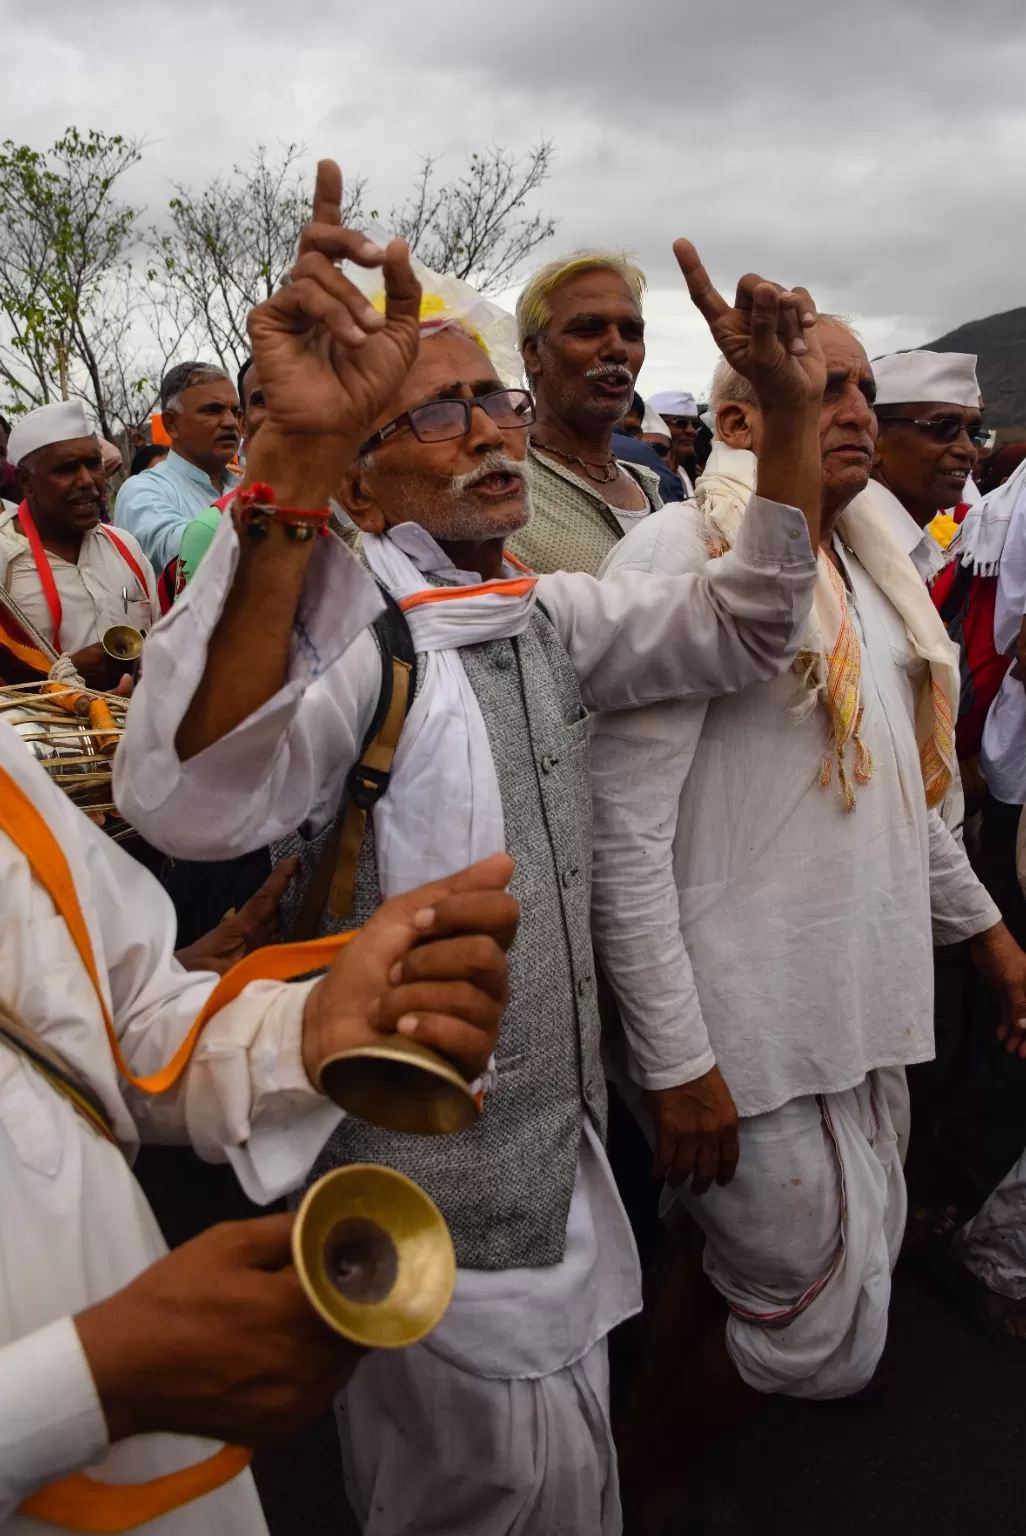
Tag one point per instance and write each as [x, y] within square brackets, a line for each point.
[548, 763]
[502, 659]
[569, 876]
[582, 986]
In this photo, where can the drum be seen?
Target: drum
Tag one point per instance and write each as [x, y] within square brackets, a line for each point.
[72, 734]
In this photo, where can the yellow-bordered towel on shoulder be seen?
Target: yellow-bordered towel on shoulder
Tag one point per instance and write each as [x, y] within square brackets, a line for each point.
[830, 659]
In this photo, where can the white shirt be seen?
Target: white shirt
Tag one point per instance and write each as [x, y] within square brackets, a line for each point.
[744, 920]
[98, 591]
[286, 766]
[920, 546]
[1003, 753]
[74, 1224]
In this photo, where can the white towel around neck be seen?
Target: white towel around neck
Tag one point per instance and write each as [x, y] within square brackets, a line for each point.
[443, 809]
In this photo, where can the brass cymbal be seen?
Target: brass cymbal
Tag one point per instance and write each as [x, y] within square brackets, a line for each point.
[123, 642]
[374, 1256]
[400, 1085]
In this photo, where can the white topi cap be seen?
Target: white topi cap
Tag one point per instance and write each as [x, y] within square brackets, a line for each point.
[49, 424]
[653, 423]
[947, 378]
[674, 402]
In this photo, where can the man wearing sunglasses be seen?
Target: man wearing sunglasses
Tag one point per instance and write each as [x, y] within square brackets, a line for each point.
[251, 715]
[930, 416]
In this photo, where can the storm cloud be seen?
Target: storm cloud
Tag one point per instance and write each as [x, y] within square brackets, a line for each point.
[873, 152]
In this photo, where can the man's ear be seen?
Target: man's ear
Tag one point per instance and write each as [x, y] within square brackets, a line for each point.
[360, 504]
[734, 426]
[170, 420]
[529, 352]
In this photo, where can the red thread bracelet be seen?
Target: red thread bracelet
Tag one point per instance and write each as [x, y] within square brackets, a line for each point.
[258, 508]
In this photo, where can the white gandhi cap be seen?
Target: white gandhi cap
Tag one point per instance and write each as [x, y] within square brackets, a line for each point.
[49, 424]
[947, 378]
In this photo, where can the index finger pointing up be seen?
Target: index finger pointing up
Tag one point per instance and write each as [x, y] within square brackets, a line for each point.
[704, 296]
[327, 198]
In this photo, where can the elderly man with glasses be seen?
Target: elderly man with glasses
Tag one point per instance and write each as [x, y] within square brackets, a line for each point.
[254, 710]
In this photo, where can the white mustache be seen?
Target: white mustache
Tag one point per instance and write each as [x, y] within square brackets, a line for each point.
[614, 375]
[494, 464]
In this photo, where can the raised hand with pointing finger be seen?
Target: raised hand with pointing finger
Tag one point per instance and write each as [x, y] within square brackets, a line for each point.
[328, 362]
[769, 337]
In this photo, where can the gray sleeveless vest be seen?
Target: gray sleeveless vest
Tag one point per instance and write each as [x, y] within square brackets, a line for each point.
[504, 1186]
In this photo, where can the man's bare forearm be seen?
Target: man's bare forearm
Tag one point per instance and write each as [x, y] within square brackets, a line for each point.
[248, 655]
[790, 469]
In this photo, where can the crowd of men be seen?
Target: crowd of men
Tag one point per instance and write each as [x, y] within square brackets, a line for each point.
[667, 750]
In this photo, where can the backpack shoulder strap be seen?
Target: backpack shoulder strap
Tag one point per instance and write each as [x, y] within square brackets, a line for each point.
[334, 877]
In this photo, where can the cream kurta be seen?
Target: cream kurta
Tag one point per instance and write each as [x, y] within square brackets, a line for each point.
[744, 919]
[101, 590]
[74, 1225]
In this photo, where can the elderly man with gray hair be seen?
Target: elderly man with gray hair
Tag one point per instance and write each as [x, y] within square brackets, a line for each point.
[765, 902]
[582, 338]
[200, 408]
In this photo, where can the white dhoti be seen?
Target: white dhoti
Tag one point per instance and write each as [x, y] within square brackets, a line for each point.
[430, 1450]
[498, 1424]
[993, 1245]
[802, 1242]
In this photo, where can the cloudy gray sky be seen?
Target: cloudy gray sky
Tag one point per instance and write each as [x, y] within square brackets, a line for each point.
[874, 152]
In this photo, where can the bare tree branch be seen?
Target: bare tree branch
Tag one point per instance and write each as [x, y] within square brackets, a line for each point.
[473, 227]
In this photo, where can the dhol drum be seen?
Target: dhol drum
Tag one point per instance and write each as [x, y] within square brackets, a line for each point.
[72, 732]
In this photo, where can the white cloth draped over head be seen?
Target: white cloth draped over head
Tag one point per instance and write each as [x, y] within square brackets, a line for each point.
[829, 660]
[443, 810]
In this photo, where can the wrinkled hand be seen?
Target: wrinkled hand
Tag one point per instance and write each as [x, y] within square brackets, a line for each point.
[253, 926]
[696, 1132]
[430, 964]
[328, 362]
[217, 1339]
[768, 336]
[1002, 964]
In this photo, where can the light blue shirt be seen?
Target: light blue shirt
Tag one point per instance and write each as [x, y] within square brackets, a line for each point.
[157, 504]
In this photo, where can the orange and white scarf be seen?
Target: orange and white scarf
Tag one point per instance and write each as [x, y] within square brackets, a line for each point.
[443, 810]
[830, 659]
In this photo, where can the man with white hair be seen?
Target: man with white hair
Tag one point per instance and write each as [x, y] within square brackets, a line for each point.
[765, 899]
[200, 410]
[71, 575]
[582, 338]
[679, 409]
[253, 719]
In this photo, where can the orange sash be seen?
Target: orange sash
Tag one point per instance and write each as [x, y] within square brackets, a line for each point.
[79, 1503]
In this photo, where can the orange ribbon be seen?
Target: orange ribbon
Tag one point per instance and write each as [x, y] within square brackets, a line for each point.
[80, 1503]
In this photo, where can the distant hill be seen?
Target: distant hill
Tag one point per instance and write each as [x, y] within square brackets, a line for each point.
[999, 342]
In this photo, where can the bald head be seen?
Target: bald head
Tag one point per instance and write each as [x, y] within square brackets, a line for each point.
[847, 426]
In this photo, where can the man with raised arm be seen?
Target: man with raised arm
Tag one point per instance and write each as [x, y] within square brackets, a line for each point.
[255, 706]
[767, 897]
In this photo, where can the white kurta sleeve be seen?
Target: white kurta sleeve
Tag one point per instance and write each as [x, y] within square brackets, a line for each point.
[245, 1097]
[960, 907]
[640, 761]
[641, 636]
[287, 762]
[51, 1421]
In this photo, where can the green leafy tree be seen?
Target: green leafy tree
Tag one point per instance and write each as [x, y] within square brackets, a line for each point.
[64, 235]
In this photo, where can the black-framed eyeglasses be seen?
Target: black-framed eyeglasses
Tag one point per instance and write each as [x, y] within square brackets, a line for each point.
[943, 429]
[440, 420]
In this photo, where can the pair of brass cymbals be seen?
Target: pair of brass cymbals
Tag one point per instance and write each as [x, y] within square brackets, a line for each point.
[371, 1249]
